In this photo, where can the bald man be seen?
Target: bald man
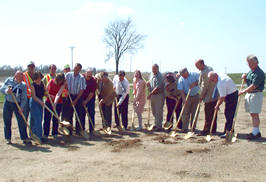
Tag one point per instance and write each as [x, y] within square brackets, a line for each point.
[210, 102]
[16, 86]
[228, 94]
[89, 99]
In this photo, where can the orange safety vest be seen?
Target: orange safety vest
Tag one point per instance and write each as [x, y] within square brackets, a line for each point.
[48, 78]
[27, 79]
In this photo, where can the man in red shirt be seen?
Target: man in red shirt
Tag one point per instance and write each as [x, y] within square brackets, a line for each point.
[89, 99]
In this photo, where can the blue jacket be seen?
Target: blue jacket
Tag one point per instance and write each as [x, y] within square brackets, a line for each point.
[19, 90]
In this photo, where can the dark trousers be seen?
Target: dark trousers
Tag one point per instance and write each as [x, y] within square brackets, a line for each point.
[107, 114]
[91, 109]
[230, 109]
[170, 103]
[209, 112]
[68, 111]
[47, 119]
[8, 110]
[123, 110]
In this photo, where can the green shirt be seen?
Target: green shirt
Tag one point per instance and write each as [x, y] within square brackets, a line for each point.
[257, 78]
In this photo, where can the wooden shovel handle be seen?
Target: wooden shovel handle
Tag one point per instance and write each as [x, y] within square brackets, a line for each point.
[75, 111]
[182, 110]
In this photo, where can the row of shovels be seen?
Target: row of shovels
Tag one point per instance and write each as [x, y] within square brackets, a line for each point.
[231, 136]
[65, 126]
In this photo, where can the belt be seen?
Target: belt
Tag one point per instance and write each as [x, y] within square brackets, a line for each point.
[254, 91]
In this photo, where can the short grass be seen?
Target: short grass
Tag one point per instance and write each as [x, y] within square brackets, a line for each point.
[2, 97]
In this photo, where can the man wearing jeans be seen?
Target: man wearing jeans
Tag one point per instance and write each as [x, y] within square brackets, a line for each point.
[255, 80]
[76, 85]
[228, 93]
[18, 88]
[89, 99]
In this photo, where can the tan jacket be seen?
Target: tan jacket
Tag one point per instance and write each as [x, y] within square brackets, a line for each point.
[171, 89]
[107, 93]
[207, 86]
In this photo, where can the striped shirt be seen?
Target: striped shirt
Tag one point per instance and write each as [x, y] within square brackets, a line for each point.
[75, 83]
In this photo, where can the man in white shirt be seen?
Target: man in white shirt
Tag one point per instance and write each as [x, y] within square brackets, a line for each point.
[121, 87]
[228, 93]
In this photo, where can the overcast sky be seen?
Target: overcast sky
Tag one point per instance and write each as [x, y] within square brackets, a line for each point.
[222, 32]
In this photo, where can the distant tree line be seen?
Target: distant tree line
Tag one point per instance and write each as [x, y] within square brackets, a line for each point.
[7, 70]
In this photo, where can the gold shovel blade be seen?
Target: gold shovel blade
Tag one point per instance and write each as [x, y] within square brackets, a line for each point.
[172, 134]
[188, 135]
[230, 137]
[64, 130]
[65, 123]
[107, 130]
[208, 138]
[149, 127]
[36, 139]
[167, 125]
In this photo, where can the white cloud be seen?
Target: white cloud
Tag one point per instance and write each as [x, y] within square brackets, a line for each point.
[95, 8]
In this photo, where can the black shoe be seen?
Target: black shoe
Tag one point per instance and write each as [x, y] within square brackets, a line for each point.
[253, 137]
[157, 129]
[27, 142]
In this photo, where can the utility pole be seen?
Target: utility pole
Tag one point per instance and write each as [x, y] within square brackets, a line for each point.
[72, 48]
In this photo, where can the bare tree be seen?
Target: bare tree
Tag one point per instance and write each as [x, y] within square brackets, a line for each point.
[120, 38]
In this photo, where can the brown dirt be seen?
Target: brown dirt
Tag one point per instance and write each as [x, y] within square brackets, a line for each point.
[137, 156]
[124, 144]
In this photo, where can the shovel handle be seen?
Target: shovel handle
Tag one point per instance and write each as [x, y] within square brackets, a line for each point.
[213, 120]
[194, 122]
[118, 112]
[182, 110]
[89, 117]
[75, 111]
[22, 115]
[238, 101]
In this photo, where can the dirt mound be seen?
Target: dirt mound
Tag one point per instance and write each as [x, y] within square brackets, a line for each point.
[165, 139]
[124, 144]
[198, 150]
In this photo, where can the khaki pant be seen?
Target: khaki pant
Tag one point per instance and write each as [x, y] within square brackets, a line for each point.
[189, 111]
[157, 102]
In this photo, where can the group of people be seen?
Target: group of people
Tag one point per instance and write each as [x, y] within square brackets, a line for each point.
[72, 93]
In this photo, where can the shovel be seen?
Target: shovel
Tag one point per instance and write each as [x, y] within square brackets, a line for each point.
[149, 126]
[63, 123]
[168, 124]
[106, 129]
[133, 119]
[83, 132]
[208, 138]
[33, 136]
[173, 133]
[191, 133]
[120, 127]
[96, 133]
[63, 129]
[231, 136]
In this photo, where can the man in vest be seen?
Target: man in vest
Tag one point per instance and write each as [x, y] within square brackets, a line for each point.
[27, 78]
[51, 75]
